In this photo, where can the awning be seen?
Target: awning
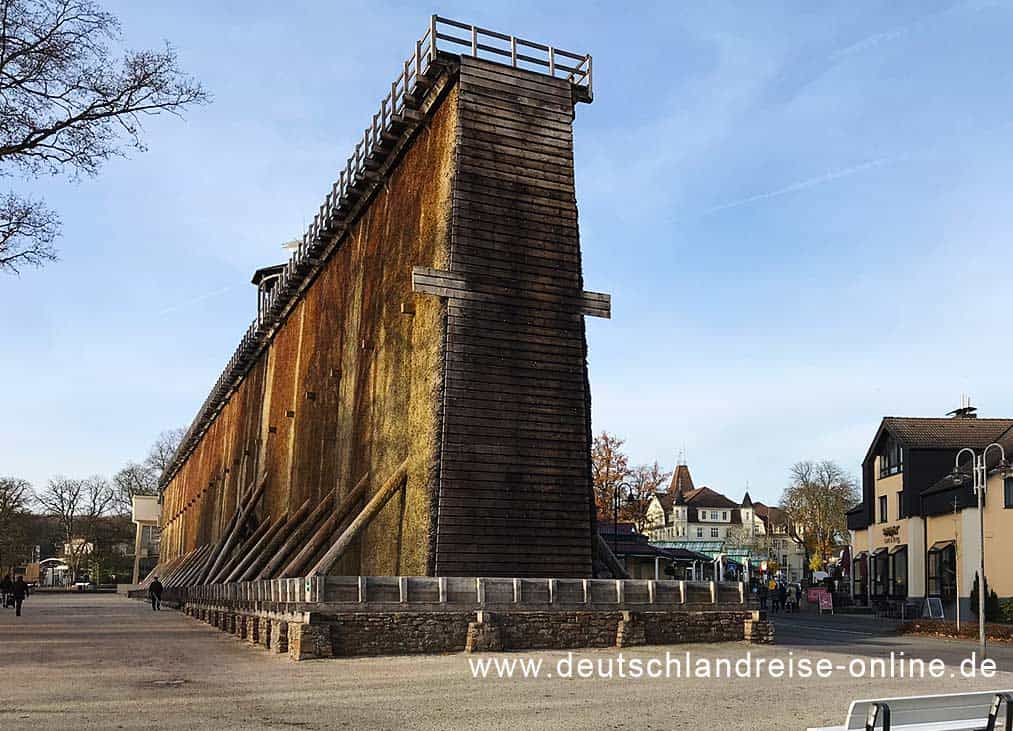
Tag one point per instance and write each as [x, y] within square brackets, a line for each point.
[878, 551]
[860, 554]
[940, 545]
[898, 549]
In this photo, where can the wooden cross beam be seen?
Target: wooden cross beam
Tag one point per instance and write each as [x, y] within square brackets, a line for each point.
[441, 283]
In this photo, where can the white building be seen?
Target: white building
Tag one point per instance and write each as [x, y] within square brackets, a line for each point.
[705, 521]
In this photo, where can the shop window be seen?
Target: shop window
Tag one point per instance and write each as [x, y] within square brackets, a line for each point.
[898, 574]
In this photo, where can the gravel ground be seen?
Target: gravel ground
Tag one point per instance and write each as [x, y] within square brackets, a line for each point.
[105, 662]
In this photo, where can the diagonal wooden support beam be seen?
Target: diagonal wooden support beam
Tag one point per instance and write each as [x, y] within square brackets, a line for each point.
[241, 514]
[441, 283]
[379, 499]
[252, 571]
[326, 530]
[299, 533]
[252, 555]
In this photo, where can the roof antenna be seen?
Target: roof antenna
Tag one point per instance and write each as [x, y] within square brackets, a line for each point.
[966, 411]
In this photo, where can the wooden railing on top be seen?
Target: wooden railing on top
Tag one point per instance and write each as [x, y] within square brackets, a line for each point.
[396, 113]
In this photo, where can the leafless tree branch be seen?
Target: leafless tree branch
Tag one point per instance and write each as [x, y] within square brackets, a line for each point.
[67, 104]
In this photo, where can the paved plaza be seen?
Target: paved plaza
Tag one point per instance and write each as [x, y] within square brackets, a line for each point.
[105, 662]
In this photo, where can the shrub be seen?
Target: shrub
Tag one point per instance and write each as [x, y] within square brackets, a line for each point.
[1006, 611]
[993, 610]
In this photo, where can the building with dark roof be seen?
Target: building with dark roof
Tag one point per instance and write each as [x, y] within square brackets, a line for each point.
[915, 533]
[642, 560]
[703, 520]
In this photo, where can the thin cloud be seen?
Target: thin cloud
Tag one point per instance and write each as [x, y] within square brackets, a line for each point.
[193, 301]
[804, 184]
[877, 39]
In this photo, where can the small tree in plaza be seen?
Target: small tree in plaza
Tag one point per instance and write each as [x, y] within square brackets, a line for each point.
[816, 500]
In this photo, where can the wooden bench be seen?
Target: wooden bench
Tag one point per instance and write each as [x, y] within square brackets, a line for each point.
[983, 711]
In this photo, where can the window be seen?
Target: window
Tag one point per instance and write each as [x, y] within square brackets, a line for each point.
[900, 505]
[882, 509]
[699, 532]
[715, 533]
[724, 515]
[898, 574]
[1008, 489]
[891, 459]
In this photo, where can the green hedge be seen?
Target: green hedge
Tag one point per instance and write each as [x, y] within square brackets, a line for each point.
[1006, 611]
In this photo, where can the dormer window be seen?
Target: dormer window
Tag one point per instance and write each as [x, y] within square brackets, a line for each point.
[891, 459]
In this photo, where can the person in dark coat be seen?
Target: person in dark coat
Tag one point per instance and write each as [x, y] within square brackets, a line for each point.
[155, 594]
[20, 591]
[6, 587]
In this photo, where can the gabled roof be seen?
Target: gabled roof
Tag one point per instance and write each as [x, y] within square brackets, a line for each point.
[940, 432]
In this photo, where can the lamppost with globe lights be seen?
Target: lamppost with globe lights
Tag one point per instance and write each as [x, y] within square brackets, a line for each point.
[979, 479]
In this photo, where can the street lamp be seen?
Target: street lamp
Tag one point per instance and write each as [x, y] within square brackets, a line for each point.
[979, 475]
[615, 512]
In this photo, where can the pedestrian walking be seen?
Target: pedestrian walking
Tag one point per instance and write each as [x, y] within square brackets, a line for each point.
[155, 594]
[6, 589]
[793, 598]
[19, 591]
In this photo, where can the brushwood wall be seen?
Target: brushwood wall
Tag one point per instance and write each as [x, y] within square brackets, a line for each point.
[483, 390]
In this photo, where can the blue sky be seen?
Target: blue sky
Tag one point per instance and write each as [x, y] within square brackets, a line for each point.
[803, 216]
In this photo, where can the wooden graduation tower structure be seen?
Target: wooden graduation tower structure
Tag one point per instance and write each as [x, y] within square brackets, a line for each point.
[412, 398]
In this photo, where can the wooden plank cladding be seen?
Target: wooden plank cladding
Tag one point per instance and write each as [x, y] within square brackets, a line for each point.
[509, 328]
[414, 399]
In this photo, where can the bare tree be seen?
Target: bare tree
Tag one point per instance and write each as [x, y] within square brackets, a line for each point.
[609, 468]
[68, 104]
[816, 500]
[133, 479]
[15, 495]
[644, 481]
[77, 506]
[141, 478]
[163, 450]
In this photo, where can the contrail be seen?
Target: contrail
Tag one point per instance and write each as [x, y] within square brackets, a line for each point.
[193, 301]
[892, 35]
[804, 184]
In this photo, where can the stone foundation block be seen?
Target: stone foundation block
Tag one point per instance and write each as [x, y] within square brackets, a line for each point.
[309, 641]
[253, 630]
[758, 630]
[483, 635]
[630, 631]
[241, 625]
[278, 642]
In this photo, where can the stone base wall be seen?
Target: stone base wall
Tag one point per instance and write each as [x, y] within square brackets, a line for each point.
[318, 635]
[399, 633]
[671, 628]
